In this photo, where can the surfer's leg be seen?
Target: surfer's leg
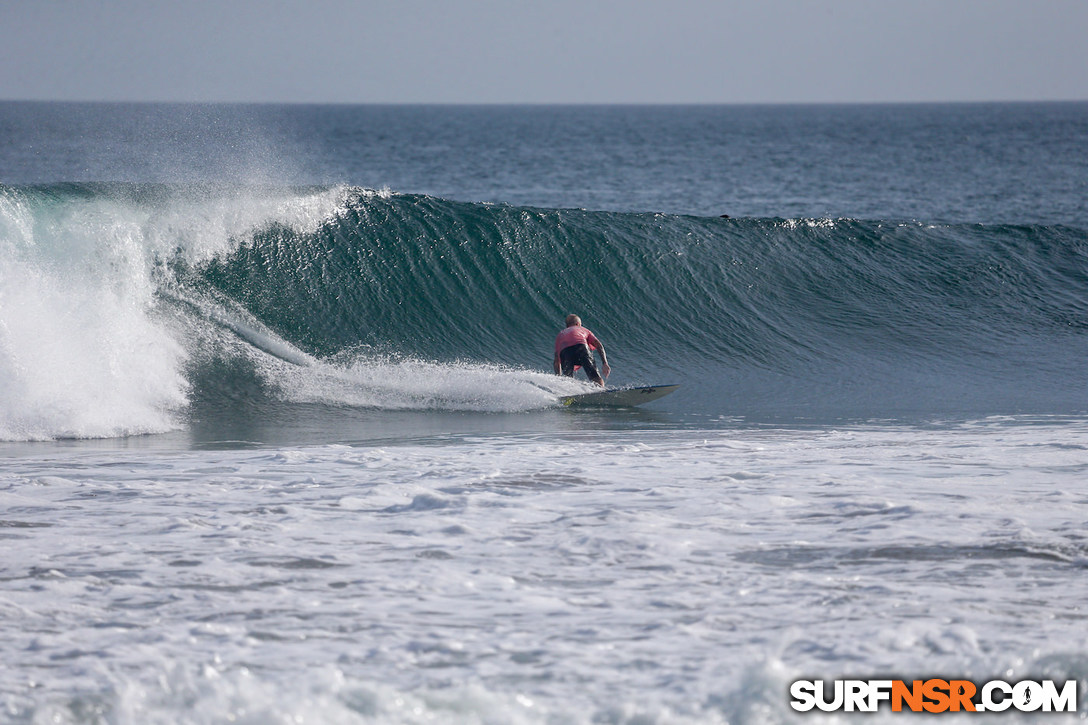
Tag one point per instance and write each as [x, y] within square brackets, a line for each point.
[567, 360]
[585, 359]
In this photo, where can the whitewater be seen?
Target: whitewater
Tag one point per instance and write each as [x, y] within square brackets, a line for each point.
[280, 442]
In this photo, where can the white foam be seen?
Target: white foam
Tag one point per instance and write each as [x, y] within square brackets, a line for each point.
[625, 577]
[85, 348]
[381, 382]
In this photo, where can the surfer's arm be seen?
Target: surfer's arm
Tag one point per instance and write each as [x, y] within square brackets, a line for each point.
[555, 363]
[604, 360]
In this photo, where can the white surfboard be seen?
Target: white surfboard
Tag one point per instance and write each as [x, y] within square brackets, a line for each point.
[619, 397]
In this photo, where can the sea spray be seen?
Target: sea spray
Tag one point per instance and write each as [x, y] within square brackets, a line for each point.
[87, 348]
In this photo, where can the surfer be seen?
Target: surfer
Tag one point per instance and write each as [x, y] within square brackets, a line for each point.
[572, 350]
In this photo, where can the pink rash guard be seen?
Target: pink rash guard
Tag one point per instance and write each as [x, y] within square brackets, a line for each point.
[575, 335]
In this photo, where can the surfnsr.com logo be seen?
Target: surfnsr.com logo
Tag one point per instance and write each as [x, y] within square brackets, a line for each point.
[934, 695]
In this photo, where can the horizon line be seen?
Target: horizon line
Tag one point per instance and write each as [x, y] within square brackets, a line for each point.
[162, 102]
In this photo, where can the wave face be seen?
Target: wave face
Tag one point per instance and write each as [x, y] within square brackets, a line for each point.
[122, 306]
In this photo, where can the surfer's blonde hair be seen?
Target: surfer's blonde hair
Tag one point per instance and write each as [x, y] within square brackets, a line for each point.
[573, 320]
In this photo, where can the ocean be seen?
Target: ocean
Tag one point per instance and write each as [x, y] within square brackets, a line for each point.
[280, 441]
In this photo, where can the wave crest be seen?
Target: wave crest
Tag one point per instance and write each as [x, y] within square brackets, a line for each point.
[120, 304]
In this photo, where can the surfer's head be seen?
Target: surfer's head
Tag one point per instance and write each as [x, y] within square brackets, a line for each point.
[573, 320]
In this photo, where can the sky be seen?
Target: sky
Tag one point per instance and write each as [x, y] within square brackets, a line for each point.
[544, 51]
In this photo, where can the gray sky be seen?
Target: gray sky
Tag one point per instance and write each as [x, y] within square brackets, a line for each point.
[544, 51]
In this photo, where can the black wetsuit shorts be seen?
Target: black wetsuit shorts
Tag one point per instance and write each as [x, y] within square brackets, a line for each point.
[578, 355]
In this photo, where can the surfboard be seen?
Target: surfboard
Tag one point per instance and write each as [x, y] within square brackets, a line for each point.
[619, 397]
